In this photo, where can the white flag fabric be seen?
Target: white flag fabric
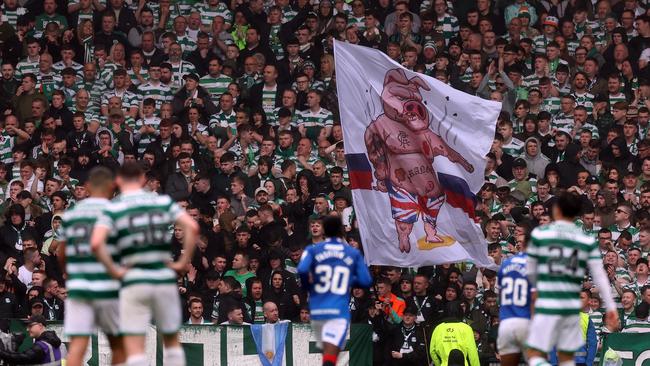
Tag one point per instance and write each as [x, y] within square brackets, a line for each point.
[416, 150]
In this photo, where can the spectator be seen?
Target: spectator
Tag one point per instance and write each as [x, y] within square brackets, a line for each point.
[195, 309]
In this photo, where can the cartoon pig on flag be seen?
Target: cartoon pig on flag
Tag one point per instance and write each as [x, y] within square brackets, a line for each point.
[401, 147]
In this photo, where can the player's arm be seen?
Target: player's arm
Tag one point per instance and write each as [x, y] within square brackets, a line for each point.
[531, 262]
[531, 270]
[304, 268]
[98, 246]
[362, 275]
[601, 281]
[60, 254]
[191, 230]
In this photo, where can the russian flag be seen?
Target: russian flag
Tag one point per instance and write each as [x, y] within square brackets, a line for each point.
[458, 193]
[456, 189]
[360, 171]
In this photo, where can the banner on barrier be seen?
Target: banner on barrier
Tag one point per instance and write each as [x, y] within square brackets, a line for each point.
[233, 345]
[633, 348]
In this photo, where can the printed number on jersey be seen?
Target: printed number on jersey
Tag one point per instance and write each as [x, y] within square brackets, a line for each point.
[514, 291]
[80, 234]
[149, 225]
[334, 280]
[562, 261]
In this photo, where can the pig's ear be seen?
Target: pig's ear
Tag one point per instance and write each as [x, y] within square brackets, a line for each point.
[420, 83]
[396, 76]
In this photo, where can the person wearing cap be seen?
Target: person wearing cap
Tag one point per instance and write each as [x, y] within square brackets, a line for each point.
[429, 52]
[550, 25]
[192, 95]
[407, 343]
[46, 350]
[452, 342]
[309, 68]
[523, 181]
[518, 8]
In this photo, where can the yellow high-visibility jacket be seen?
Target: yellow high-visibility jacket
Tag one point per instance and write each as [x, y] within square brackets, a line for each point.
[453, 335]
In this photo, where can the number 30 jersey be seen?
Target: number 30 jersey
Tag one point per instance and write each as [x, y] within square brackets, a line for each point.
[138, 224]
[561, 252]
[87, 278]
[329, 269]
[514, 289]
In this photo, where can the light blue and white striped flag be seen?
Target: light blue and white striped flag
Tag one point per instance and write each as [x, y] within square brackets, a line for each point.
[270, 342]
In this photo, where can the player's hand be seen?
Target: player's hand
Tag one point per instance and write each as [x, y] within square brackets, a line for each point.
[396, 354]
[612, 321]
[178, 267]
[118, 272]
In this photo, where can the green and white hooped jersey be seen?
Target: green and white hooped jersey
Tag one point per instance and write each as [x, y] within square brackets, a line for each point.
[562, 252]
[87, 277]
[138, 223]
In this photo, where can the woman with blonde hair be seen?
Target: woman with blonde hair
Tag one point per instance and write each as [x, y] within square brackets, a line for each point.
[327, 69]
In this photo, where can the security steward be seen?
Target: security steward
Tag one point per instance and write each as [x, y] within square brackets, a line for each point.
[452, 342]
[46, 350]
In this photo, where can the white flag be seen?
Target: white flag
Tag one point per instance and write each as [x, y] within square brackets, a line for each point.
[416, 150]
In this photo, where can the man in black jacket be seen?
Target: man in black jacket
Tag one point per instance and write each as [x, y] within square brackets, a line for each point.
[9, 305]
[229, 298]
[51, 299]
[269, 84]
[407, 342]
[45, 350]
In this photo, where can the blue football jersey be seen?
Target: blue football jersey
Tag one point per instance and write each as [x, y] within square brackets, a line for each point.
[334, 267]
[514, 288]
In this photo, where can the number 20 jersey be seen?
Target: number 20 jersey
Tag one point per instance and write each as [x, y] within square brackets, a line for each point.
[87, 278]
[514, 289]
[334, 267]
[562, 252]
[138, 224]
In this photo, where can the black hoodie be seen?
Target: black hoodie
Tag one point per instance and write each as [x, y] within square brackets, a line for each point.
[570, 167]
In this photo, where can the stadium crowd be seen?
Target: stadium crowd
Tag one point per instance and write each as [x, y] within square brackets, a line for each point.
[232, 107]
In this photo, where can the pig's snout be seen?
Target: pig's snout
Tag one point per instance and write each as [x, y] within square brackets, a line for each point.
[415, 108]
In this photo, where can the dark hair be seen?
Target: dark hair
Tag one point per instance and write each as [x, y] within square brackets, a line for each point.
[130, 171]
[332, 227]
[454, 310]
[569, 205]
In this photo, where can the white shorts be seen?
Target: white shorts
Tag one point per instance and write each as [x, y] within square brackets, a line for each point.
[83, 317]
[561, 331]
[142, 303]
[332, 331]
[512, 335]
